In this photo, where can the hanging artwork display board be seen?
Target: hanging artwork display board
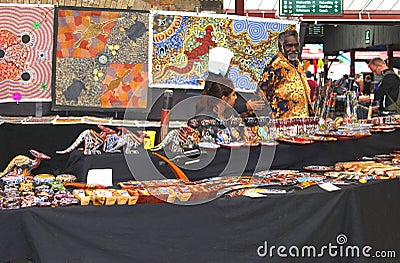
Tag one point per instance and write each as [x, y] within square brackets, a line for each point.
[26, 43]
[100, 59]
[180, 45]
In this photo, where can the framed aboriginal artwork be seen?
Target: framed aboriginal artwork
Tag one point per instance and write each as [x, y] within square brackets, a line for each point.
[180, 44]
[100, 59]
[26, 43]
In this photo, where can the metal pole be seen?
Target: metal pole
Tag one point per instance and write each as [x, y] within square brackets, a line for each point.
[239, 7]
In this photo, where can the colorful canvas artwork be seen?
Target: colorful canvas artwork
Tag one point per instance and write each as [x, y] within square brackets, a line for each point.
[101, 59]
[26, 43]
[180, 44]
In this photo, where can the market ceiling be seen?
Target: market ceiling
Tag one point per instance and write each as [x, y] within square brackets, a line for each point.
[365, 10]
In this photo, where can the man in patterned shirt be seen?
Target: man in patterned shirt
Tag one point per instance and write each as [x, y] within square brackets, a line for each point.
[284, 82]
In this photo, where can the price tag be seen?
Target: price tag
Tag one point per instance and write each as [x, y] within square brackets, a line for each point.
[329, 187]
[100, 176]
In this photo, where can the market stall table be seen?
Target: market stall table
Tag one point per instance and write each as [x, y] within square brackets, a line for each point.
[242, 160]
[223, 230]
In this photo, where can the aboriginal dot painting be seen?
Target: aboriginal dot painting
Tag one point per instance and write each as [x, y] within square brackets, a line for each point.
[101, 59]
[181, 44]
[26, 43]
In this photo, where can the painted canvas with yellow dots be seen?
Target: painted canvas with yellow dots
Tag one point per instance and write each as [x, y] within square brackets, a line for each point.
[101, 59]
[181, 43]
[26, 43]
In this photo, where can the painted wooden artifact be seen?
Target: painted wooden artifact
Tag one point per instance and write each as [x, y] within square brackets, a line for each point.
[93, 141]
[23, 165]
[127, 139]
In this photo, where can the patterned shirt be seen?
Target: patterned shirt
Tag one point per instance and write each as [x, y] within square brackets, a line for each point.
[286, 88]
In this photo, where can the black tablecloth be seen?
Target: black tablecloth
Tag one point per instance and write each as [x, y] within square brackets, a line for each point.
[224, 230]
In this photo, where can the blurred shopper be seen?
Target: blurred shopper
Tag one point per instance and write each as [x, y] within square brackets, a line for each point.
[368, 87]
[387, 92]
[284, 82]
[343, 84]
[313, 85]
[358, 85]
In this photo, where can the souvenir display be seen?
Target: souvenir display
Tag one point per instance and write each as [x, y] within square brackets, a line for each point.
[84, 186]
[43, 191]
[264, 135]
[235, 133]
[66, 178]
[13, 119]
[67, 120]
[43, 178]
[93, 141]
[126, 138]
[23, 165]
[12, 179]
[383, 128]
[80, 194]
[223, 136]
[97, 120]
[39, 120]
[176, 140]
[317, 138]
[318, 168]
[251, 135]
[33, 192]
[295, 140]
[295, 127]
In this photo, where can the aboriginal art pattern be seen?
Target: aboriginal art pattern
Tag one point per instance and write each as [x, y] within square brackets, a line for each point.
[26, 43]
[181, 44]
[101, 59]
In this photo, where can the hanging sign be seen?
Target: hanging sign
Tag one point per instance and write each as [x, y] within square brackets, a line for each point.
[367, 36]
[311, 7]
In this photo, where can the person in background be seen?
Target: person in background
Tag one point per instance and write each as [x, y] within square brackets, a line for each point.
[313, 85]
[340, 90]
[343, 84]
[284, 82]
[387, 92]
[368, 87]
[358, 85]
